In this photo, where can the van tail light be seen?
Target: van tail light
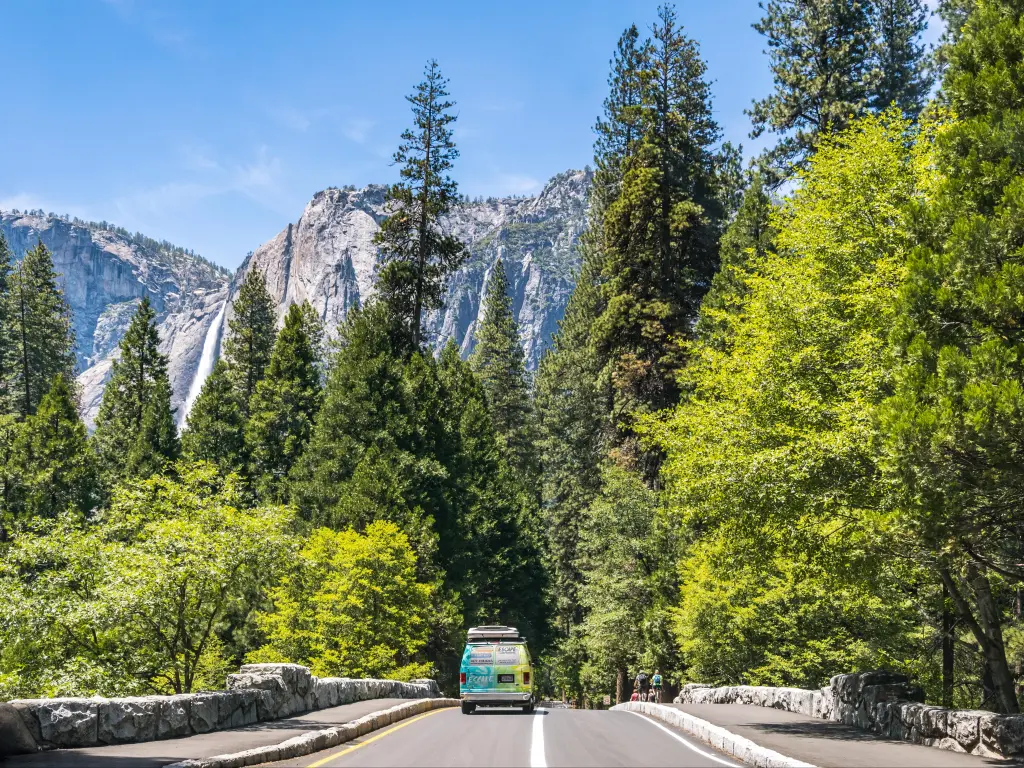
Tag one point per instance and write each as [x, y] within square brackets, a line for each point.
[462, 678]
[526, 678]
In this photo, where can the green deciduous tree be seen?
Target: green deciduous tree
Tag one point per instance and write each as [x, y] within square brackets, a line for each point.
[499, 362]
[251, 334]
[133, 601]
[820, 53]
[52, 468]
[215, 430]
[790, 572]
[283, 408]
[42, 339]
[135, 432]
[416, 255]
[352, 606]
[953, 429]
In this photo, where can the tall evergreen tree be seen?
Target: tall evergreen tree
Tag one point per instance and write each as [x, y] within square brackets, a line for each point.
[659, 236]
[572, 440]
[497, 566]
[416, 255]
[215, 430]
[5, 320]
[135, 434]
[820, 53]
[498, 360]
[903, 75]
[283, 408]
[620, 127]
[954, 15]
[43, 342]
[53, 466]
[250, 340]
[313, 325]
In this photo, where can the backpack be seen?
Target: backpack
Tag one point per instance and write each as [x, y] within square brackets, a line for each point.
[656, 680]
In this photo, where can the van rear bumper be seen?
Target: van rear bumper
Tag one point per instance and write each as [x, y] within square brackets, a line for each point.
[497, 699]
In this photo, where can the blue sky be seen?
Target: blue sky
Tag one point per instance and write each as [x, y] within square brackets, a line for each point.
[212, 124]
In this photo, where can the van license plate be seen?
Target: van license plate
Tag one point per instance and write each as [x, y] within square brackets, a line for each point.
[506, 678]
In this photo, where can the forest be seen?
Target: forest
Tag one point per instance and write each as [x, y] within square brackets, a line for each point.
[778, 436]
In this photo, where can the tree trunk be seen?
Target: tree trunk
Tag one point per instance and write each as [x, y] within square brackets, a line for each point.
[947, 651]
[621, 685]
[987, 631]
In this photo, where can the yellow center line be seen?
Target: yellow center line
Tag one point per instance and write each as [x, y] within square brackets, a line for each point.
[372, 739]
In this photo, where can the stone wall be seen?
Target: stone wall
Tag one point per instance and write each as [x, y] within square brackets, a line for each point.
[884, 703]
[257, 693]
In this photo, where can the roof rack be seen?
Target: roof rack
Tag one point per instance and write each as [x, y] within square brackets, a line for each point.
[493, 632]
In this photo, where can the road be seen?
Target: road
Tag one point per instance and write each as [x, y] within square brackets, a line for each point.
[495, 738]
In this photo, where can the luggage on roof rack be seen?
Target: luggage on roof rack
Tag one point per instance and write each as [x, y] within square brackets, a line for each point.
[493, 632]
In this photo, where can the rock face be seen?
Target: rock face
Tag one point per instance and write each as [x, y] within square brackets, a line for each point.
[105, 273]
[328, 258]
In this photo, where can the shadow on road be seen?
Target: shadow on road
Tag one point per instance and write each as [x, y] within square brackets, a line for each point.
[489, 711]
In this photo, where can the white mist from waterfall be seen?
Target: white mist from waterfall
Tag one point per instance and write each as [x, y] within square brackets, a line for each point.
[206, 361]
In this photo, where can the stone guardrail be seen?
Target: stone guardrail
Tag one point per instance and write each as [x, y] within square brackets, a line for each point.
[884, 703]
[259, 692]
[315, 741]
[741, 748]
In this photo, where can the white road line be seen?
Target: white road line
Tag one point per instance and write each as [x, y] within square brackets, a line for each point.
[537, 741]
[683, 741]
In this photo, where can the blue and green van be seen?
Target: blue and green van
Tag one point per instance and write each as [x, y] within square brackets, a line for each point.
[496, 670]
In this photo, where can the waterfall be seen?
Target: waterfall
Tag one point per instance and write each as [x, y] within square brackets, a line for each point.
[209, 357]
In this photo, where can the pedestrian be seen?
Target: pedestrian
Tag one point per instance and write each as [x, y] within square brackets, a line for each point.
[643, 683]
[636, 695]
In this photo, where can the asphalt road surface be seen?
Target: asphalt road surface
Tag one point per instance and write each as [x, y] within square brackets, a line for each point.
[493, 738]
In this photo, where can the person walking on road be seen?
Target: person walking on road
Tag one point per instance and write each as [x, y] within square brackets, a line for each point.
[643, 683]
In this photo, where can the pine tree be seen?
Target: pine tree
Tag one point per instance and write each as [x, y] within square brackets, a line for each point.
[43, 342]
[313, 325]
[135, 434]
[573, 419]
[903, 76]
[215, 431]
[250, 341]
[416, 255]
[6, 339]
[499, 362]
[820, 54]
[496, 566]
[54, 469]
[283, 408]
[157, 442]
[954, 14]
[620, 127]
[659, 237]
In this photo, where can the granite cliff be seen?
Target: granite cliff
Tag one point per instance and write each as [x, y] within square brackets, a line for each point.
[105, 273]
[327, 257]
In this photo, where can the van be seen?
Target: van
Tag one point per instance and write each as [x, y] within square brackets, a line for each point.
[496, 670]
